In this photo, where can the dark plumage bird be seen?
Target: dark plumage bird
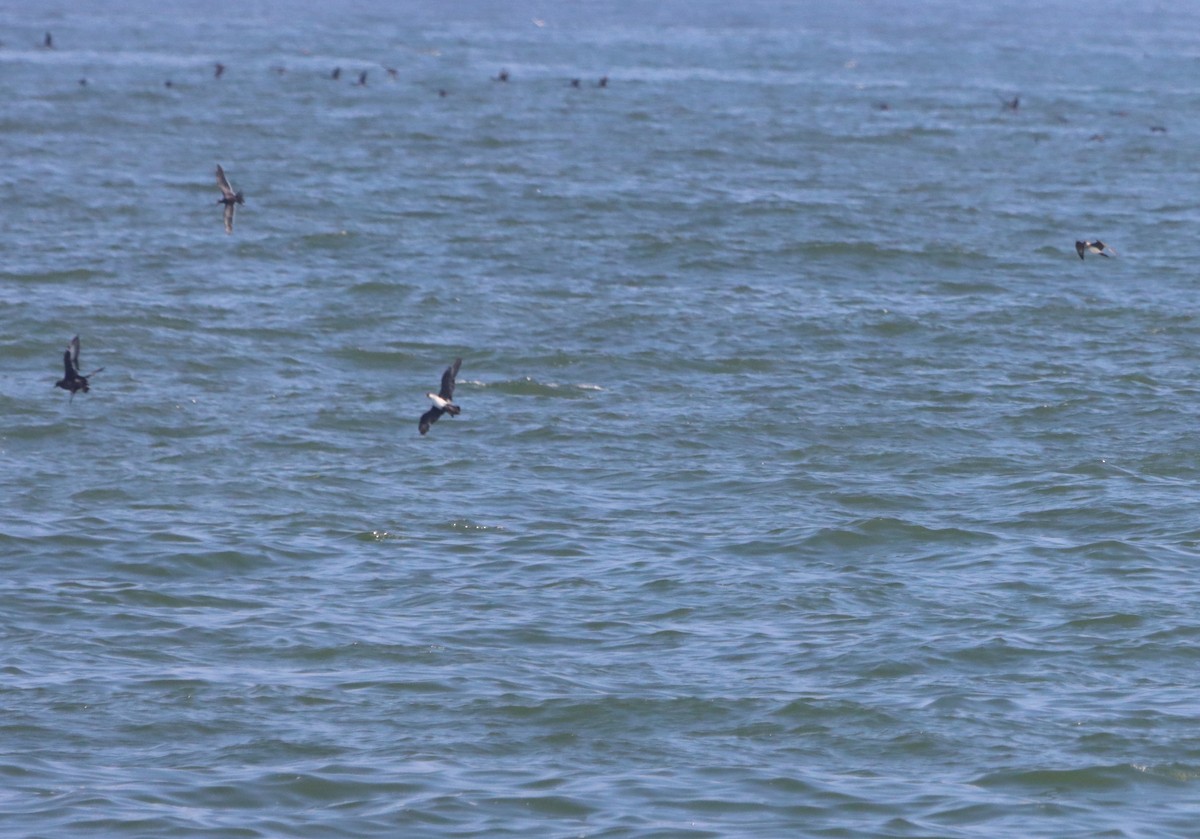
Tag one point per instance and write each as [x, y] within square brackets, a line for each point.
[574, 82]
[503, 77]
[336, 74]
[218, 70]
[441, 399]
[228, 197]
[1013, 104]
[362, 79]
[1089, 246]
[603, 81]
[48, 41]
[72, 380]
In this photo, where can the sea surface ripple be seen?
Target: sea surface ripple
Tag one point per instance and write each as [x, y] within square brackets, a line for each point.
[806, 482]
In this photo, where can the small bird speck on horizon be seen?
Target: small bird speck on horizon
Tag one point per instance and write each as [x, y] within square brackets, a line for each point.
[336, 74]
[48, 41]
[362, 79]
[502, 77]
[218, 70]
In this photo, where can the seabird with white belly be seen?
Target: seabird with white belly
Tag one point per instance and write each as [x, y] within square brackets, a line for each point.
[442, 403]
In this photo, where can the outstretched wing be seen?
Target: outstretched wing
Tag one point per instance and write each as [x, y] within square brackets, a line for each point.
[72, 356]
[223, 183]
[69, 373]
[429, 418]
[1079, 248]
[447, 391]
[229, 217]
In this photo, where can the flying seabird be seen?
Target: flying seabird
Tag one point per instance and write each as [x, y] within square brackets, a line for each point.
[575, 82]
[441, 399]
[336, 74]
[603, 82]
[503, 77]
[218, 70]
[1089, 246]
[48, 41]
[72, 380]
[229, 198]
[362, 79]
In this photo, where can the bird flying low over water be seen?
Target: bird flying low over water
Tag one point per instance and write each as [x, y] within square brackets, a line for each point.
[1089, 246]
[441, 399]
[72, 380]
[228, 197]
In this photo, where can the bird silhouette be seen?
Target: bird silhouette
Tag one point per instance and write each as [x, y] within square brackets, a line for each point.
[441, 399]
[228, 197]
[72, 379]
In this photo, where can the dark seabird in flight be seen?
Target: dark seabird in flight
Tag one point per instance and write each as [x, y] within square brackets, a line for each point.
[503, 77]
[1089, 246]
[603, 81]
[218, 70]
[48, 41]
[574, 82]
[1013, 104]
[362, 79]
[228, 197]
[441, 399]
[72, 380]
[393, 73]
[336, 74]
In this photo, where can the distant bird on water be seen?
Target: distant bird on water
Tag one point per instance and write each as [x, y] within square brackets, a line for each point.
[441, 399]
[228, 197]
[72, 380]
[1013, 104]
[336, 74]
[502, 77]
[603, 82]
[1089, 246]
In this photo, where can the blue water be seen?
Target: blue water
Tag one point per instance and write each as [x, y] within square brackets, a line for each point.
[806, 482]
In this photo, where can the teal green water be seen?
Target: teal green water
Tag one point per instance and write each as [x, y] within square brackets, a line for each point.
[806, 482]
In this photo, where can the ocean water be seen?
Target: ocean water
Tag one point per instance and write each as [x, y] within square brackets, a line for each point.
[806, 482]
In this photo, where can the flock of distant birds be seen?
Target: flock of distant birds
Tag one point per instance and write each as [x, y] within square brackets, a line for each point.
[336, 74]
[73, 380]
